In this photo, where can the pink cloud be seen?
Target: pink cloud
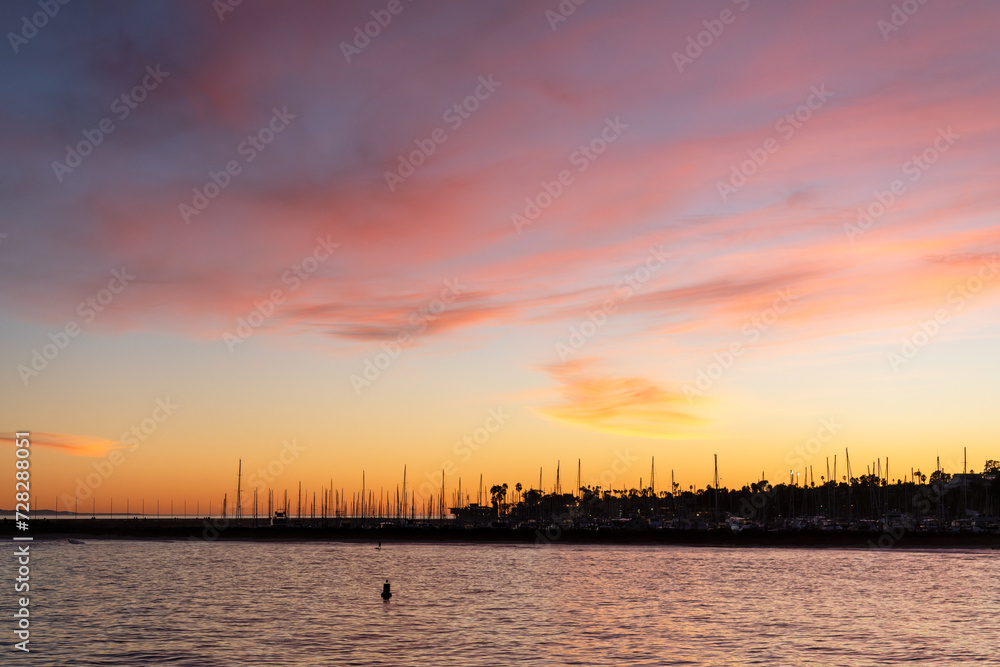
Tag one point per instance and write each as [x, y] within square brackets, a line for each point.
[655, 185]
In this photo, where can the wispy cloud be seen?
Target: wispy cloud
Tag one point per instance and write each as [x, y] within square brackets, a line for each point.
[68, 443]
[623, 405]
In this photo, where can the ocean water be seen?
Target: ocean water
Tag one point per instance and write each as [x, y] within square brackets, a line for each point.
[220, 603]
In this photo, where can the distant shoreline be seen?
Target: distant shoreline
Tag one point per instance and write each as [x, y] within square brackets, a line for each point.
[187, 529]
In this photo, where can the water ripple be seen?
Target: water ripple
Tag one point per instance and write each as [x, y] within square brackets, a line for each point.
[242, 603]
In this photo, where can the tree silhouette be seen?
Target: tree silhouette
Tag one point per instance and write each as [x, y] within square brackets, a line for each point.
[498, 493]
[940, 476]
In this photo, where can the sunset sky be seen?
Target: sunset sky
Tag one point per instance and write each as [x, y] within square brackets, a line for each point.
[492, 237]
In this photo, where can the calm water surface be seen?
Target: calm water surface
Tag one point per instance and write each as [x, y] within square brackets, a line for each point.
[242, 603]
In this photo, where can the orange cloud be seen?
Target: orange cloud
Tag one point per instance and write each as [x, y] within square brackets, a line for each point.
[68, 443]
[621, 405]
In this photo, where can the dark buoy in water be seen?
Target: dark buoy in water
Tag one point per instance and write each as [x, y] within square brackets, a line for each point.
[386, 593]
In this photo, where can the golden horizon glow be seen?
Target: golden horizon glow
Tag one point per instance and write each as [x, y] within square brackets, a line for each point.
[779, 252]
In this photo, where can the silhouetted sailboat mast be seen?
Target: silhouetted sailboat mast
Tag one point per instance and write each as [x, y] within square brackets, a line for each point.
[239, 490]
[716, 488]
[850, 483]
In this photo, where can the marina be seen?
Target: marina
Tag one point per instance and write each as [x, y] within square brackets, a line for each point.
[872, 510]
